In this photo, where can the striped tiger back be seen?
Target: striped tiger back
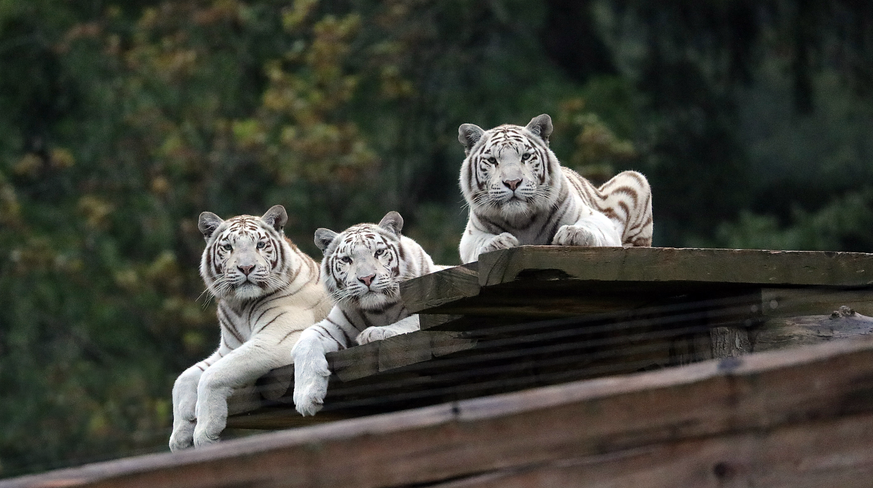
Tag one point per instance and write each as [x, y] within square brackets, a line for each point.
[626, 199]
[518, 194]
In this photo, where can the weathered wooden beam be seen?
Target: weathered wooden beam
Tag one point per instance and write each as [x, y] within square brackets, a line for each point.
[730, 342]
[787, 302]
[836, 453]
[445, 286]
[781, 395]
[783, 332]
[552, 281]
[660, 264]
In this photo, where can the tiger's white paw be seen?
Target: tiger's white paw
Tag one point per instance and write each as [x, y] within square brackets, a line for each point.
[501, 241]
[184, 403]
[309, 396]
[311, 375]
[578, 235]
[203, 436]
[373, 334]
[182, 437]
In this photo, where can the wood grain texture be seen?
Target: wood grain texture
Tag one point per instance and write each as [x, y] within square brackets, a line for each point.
[445, 286]
[815, 396]
[553, 281]
[730, 342]
[787, 302]
[657, 264]
[835, 453]
[784, 332]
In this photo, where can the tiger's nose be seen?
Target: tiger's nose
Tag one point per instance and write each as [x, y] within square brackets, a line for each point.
[245, 269]
[512, 184]
[366, 279]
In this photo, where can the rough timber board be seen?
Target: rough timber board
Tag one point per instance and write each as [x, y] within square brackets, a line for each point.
[815, 301]
[772, 419]
[445, 286]
[788, 457]
[600, 276]
[661, 264]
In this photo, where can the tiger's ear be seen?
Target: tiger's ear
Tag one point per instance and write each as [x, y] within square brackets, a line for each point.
[323, 238]
[276, 217]
[207, 224]
[469, 135]
[541, 125]
[393, 222]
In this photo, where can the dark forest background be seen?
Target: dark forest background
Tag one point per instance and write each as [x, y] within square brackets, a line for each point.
[120, 121]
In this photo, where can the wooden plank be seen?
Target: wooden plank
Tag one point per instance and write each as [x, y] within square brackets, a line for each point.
[787, 302]
[552, 281]
[445, 286]
[657, 264]
[756, 394]
[395, 352]
[812, 455]
[730, 342]
[782, 332]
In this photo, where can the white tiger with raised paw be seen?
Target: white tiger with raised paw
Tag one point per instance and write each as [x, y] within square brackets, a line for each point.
[519, 194]
[362, 270]
[268, 292]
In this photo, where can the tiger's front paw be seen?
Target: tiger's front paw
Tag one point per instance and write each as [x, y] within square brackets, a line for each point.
[577, 235]
[182, 437]
[309, 396]
[311, 375]
[373, 334]
[501, 241]
[205, 435]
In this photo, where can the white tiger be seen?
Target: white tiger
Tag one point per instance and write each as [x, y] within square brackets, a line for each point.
[362, 270]
[268, 291]
[518, 193]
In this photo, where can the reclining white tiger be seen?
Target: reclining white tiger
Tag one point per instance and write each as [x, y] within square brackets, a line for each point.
[519, 194]
[268, 291]
[362, 270]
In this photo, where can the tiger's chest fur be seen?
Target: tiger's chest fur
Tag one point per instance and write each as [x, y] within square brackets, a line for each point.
[241, 320]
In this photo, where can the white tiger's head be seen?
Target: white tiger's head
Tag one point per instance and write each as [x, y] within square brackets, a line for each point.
[509, 169]
[245, 257]
[362, 264]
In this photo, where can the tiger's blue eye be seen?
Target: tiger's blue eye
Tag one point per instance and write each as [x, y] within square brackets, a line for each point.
[227, 247]
[526, 156]
[379, 252]
[346, 259]
[492, 160]
[261, 245]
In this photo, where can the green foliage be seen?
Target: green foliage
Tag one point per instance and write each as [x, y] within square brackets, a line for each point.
[844, 223]
[121, 121]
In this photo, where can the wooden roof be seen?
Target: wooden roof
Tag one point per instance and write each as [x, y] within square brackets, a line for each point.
[542, 315]
[550, 366]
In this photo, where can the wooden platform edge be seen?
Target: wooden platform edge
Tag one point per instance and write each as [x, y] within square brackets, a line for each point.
[761, 394]
[665, 264]
[441, 287]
